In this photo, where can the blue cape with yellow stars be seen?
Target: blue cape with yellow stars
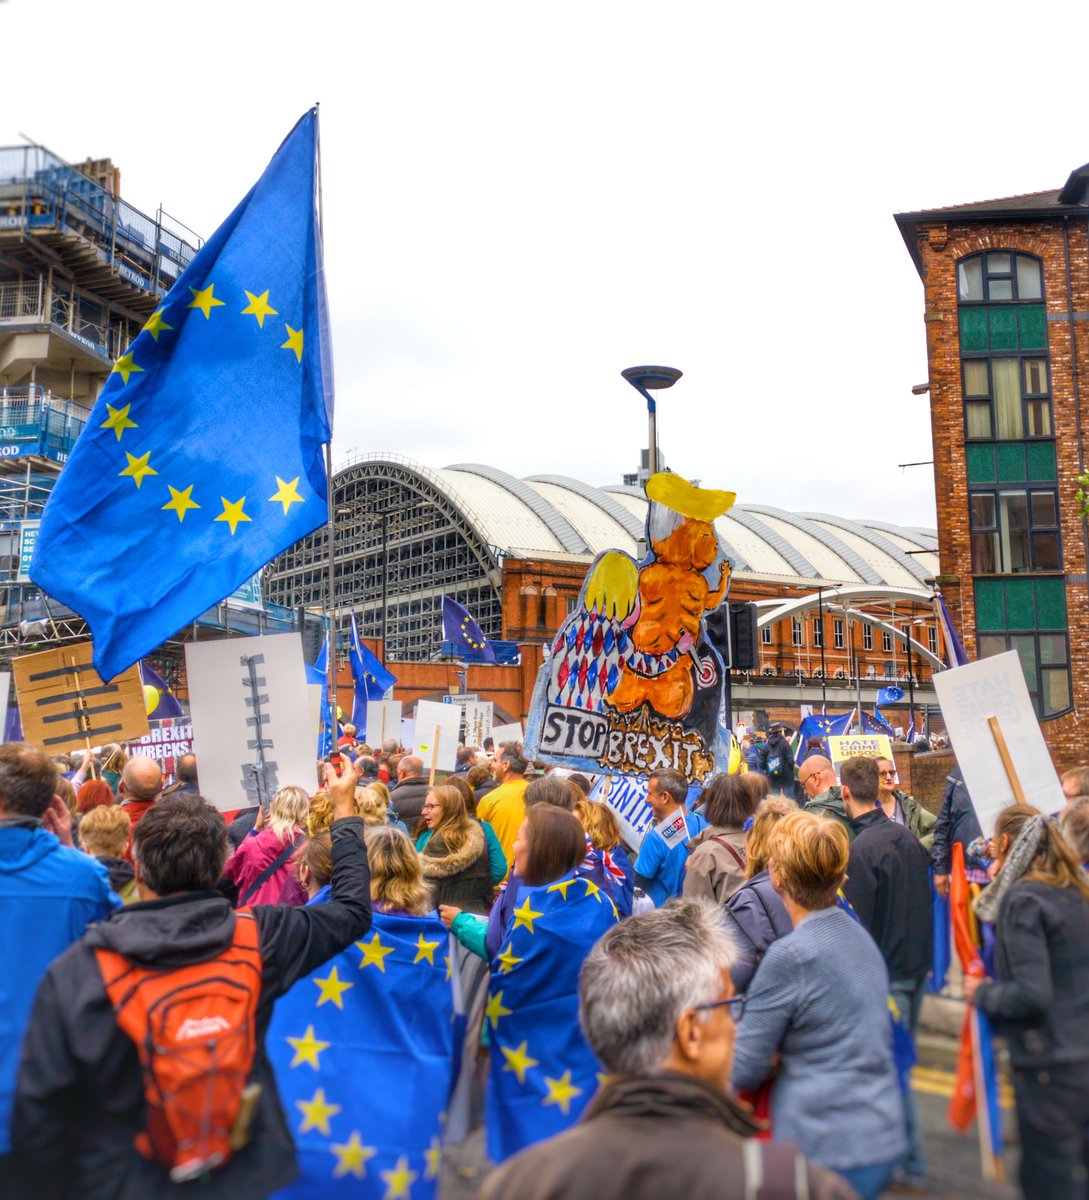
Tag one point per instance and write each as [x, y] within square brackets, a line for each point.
[542, 1073]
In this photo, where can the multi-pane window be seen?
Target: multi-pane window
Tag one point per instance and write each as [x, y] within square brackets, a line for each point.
[795, 631]
[765, 635]
[1015, 530]
[886, 641]
[932, 638]
[837, 633]
[818, 632]
[867, 637]
[1003, 344]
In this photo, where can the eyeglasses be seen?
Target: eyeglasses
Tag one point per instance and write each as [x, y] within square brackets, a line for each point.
[431, 808]
[736, 1005]
[888, 774]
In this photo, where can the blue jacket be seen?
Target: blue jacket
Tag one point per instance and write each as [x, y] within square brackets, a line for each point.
[957, 822]
[49, 894]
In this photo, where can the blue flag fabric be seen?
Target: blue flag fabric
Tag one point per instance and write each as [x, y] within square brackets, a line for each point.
[463, 633]
[822, 725]
[371, 680]
[542, 1073]
[876, 724]
[890, 695]
[159, 700]
[202, 458]
[317, 673]
[953, 648]
[363, 1051]
[943, 943]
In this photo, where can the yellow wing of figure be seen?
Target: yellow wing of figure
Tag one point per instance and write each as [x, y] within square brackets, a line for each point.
[612, 586]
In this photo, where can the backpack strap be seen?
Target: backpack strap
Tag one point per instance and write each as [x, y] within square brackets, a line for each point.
[738, 857]
[269, 871]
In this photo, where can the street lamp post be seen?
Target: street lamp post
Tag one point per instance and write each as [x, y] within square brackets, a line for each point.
[646, 380]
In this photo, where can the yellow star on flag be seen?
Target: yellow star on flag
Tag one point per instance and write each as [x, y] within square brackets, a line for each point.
[592, 889]
[508, 960]
[294, 341]
[138, 467]
[307, 1048]
[287, 493]
[126, 367]
[425, 950]
[562, 886]
[561, 1091]
[374, 953]
[316, 1112]
[352, 1157]
[332, 989]
[155, 324]
[525, 916]
[181, 502]
[433, 1158]
[232, 513]
[495, 1010]
[259, 307]
[449, 966]
[205, 301]
[118, 420]
[518, 1060]
[399, 1181]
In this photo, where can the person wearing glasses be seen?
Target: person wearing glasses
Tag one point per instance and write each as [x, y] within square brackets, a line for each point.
[822, 790]
[818, 1005]
[658, 1009]
[902, 807]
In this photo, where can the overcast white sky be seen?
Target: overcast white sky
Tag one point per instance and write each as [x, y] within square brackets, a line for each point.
[521, 200]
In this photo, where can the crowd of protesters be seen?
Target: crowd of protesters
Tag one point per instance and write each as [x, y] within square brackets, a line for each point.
[734, 980]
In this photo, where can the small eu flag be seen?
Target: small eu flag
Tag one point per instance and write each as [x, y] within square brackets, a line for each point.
[543, 1074]
[159, 701]
[202, 458]
[370, 677]
[459, 628]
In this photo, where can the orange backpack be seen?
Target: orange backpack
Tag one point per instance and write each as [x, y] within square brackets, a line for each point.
[195, 1030]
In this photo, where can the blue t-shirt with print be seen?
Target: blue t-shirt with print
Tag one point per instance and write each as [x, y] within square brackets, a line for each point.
[663, 866]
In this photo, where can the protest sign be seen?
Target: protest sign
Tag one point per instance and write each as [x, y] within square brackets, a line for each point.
[506, 733]
[251, 717]
[627, 797]
[437, 730]
[866, 745]
[408, 735]
[673, 830]
[996, 737]
[166, 741]
[478, 722]
[634, 680]
[65, 705]
[383, 721]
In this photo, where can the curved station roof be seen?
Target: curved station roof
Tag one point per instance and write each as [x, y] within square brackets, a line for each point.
[553, 514]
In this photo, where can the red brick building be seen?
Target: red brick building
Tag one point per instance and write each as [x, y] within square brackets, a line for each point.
[1006, 306]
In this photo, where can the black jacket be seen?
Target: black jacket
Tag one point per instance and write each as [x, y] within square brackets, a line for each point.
[888, 885]
[957, 822]
[79, 1098]
[666, 1135]
[757, 914]
[407, 797]
[778, 747]
[1041, 996]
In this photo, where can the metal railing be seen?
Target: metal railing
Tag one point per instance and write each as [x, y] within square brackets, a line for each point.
[72, 312]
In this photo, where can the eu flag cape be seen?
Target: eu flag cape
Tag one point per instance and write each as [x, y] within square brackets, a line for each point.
[202, 458]
[363, 1051]
[542, 1073]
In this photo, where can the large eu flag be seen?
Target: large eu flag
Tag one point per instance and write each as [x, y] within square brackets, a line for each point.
[460, 628]
[363, 1051]
[202, 458]
[542, 1072]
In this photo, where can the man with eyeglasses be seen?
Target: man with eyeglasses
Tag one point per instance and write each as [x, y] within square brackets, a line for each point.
[902, 807]
[822, 791]
[656, 1005]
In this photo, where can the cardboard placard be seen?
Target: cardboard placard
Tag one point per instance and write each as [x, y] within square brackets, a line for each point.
[987, 709]
[478, 722]
[864, 745]
[66, 706]
[229, 718]
[507, 733]
[437, 730]
[383, 721]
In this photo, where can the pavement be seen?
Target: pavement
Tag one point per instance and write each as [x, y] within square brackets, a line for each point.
[953, 1158]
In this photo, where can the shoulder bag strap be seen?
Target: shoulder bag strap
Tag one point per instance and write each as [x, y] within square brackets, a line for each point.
[268, 872]
[738, 857]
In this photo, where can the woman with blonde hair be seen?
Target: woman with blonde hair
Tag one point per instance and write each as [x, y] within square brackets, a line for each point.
[1039, 904]
[606, 859]
[261, 866]
[755, 912]
[454, 853]
[391, 1009]
[819, 1001]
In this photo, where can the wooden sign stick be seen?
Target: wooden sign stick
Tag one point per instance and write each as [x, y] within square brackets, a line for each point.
[1007, 759]
[434, 755]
